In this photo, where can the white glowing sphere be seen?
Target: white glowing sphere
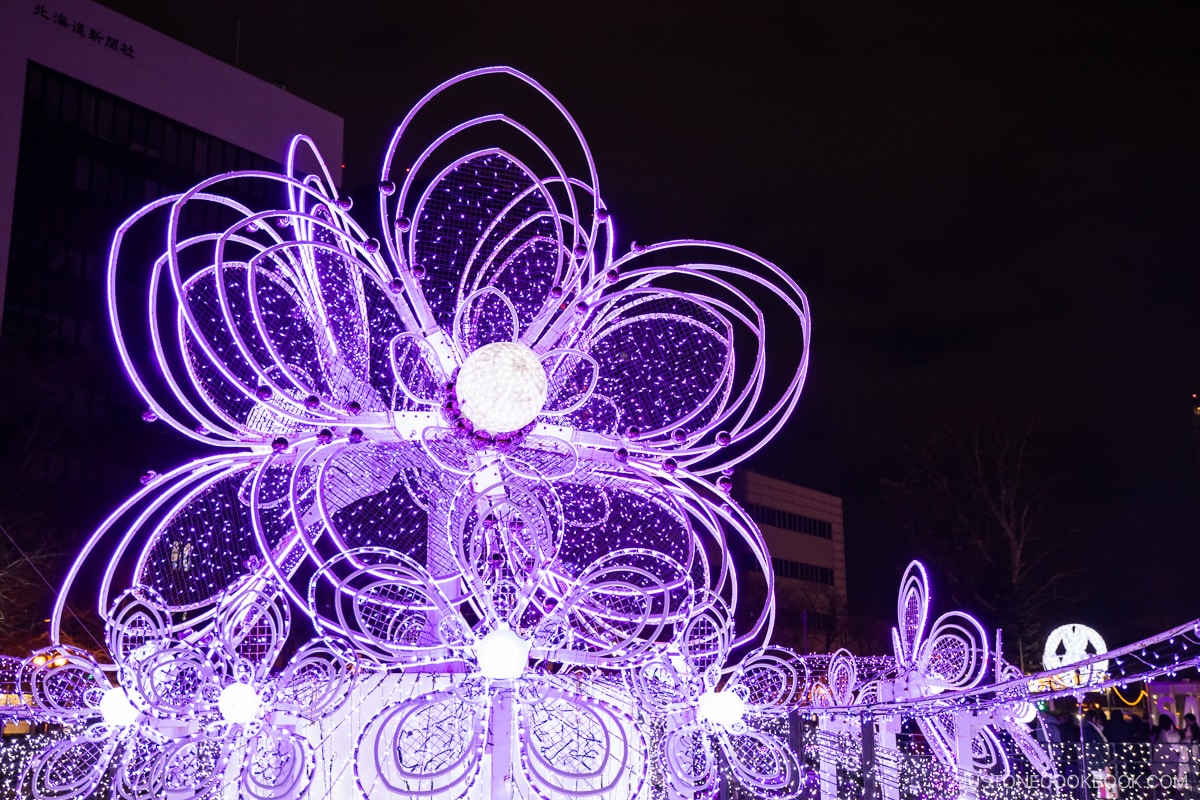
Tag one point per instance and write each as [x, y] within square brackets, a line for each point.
[1069, 644]
[502, 654]
[239, 703]
[1024, 713]
[721, 708]
[116, 709]
[501, 387]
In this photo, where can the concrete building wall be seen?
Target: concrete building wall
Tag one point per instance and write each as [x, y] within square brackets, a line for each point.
[805, 534]
[113, 53]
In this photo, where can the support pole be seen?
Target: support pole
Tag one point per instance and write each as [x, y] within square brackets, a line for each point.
[965, 728]
[502, 749]
[869, 765]
[828, 759]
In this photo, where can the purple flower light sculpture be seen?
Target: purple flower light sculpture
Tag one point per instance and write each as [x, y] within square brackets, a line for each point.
[486, 419]
[197, 706]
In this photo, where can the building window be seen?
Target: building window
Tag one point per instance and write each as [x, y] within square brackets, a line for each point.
[765, 515]
[798, 570]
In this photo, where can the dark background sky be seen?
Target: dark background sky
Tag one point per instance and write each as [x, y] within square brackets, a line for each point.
[993, 211]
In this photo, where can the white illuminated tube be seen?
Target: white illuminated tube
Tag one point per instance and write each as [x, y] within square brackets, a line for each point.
[501, 387]
[721, 708]
[116, 709]
[502, 654]
[239, 703]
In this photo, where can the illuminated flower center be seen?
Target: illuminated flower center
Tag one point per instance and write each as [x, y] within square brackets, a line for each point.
[721, 708]
[239, 703]
[501, 387]
[502, 654]
[116, 709]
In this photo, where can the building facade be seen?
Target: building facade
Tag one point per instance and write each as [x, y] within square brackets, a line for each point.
[99, 115]
[805, 535]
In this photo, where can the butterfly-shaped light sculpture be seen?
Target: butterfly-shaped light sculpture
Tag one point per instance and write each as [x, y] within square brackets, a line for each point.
[951, 654]
[194, 708]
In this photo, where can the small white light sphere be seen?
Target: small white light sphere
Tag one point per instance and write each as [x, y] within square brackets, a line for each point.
[502, 654]
[501, 387]
[116, 709]
[239, 703]
[721, 708]
[1024, 713]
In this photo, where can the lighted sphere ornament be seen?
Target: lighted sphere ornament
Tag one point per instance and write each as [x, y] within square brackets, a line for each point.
[721, 708]
[502, 654]
[1067, 645]
[239, 703]
[501, 387]
[116, 709]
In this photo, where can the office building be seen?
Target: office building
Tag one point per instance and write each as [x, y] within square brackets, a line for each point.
[98, 115]
[804, 532]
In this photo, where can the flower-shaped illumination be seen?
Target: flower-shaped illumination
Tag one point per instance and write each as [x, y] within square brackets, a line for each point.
[487, 416]
[950, 655]
[182, 716]
[714, 708]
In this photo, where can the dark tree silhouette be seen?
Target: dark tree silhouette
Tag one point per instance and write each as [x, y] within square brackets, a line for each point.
[979, 506]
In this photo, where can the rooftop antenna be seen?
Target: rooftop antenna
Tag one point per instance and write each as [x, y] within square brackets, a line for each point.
[237, 41]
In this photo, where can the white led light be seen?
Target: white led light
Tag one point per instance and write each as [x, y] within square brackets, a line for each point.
[721, 708]
[116, 709]
[502, 654]
[1069, 644]
[501, 387]
[239, 703]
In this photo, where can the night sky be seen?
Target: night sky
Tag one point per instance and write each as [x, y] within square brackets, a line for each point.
[994, 212]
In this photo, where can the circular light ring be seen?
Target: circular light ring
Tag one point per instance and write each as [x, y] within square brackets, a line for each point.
[1078, 643]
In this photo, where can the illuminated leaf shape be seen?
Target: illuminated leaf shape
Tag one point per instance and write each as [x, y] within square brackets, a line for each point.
[578, 747]
[762, 763]
[68, 769]
[276, 763]
[422, 747]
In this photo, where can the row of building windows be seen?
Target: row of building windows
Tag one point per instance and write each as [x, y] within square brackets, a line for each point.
[95, 176]
[765, 515]
[818, 621]
[74, 470]
[786, 568]
[112, 119]
[49, 326]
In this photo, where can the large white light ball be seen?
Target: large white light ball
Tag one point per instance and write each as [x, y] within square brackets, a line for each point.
[116, 709]
[501, 387]
[1069, 644]
[721, 708]
[502, 654]
[239, 703]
